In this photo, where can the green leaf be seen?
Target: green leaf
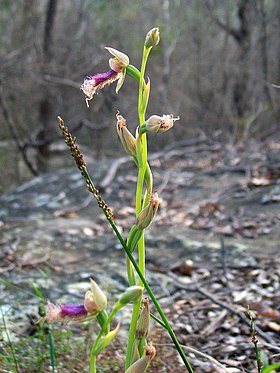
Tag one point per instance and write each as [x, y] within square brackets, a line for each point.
[270, 368]
[52, 350]
[9, 284]
[36, 290]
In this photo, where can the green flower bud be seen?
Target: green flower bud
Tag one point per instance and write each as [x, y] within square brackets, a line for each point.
[131, 295]
[152, 38]
[147, 215]
[127, 139]
[143, 323]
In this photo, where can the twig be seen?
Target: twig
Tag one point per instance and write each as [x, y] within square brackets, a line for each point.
[224, 265]
[15, 136]
[92, 126]
[212, 327]
[233, 311]
[164, 183]
[35, 262]
[107, 180]
[62, 81]
[194, 350]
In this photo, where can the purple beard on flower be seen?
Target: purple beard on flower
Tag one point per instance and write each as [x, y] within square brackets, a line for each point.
[72, 310]
[95, 82]
[103, 77]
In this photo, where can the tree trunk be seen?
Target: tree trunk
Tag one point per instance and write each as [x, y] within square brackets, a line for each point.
[243, 39]
[45, 109]
[263, 53]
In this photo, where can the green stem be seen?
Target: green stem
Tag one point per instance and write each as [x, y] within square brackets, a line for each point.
[92, 364]
[142, 162]
[104, 321]
[255, 341]
[141, 110]
[131, 334]
[141, 151]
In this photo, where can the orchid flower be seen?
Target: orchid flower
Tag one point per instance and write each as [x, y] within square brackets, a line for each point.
[117, 71]
[94, 302]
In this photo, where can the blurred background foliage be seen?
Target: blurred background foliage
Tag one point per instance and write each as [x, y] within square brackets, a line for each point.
[214, 67]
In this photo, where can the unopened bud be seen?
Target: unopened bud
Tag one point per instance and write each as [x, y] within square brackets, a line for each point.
[143, 323]
[127, 139]
[95, 300]
[131, 295]
[159, 124]
[141, 365]
[147, 215]
[152, 38]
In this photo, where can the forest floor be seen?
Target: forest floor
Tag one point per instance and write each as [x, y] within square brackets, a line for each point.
[212, 252]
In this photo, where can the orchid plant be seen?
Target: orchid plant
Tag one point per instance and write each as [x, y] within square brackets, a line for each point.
[139, 352]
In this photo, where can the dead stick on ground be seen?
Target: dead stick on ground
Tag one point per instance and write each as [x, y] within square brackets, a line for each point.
[206, 356]
[241, 316]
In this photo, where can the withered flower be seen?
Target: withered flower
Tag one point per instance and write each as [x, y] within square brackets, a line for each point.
[159, 124]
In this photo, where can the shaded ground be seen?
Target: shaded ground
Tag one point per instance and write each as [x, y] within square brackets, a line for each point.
[207, 193]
